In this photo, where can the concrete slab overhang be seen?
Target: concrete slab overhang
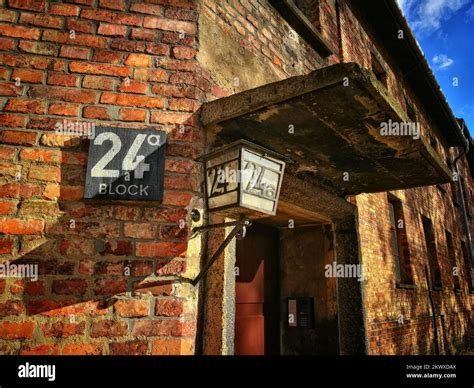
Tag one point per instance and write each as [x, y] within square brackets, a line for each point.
[328, 123]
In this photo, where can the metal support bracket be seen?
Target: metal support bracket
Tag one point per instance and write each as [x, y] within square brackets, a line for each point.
[239, 229]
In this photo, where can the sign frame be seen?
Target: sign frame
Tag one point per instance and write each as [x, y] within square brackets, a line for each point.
[126, 164]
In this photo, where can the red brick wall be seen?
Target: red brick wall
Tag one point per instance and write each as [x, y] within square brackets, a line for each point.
[384, 302]
[134, 64]
[114, 63]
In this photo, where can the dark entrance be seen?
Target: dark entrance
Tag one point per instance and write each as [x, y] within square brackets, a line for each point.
[257, 292]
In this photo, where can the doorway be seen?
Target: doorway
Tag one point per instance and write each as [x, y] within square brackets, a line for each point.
[257, 322]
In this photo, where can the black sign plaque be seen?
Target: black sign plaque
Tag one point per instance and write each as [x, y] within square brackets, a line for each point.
[126, 164]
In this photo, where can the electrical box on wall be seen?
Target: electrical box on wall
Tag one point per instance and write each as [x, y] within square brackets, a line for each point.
[301, 312]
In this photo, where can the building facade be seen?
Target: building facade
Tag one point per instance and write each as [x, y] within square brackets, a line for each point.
[370, 247]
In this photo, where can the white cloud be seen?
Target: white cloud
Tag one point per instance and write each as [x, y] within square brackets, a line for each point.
[442, 61]
[426, 16]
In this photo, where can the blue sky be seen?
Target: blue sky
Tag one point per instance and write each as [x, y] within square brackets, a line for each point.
[445, 32]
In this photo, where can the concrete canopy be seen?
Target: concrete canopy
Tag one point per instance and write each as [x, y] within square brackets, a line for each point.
[328, 123]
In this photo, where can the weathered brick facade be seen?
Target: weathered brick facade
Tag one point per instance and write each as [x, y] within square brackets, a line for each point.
[109, 272]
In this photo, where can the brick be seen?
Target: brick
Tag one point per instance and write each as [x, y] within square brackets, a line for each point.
[179, 65]
[14, 190]
[181, 14]
[40, 350]
[6, 247]
[127, 45]
[164, 214]
[157, 49]
[176, 198]
[173, 90]
[78, 25]
[16, 226]
[177, 38]
[109, 328]
[11, 120]
[133, 87]
[183, 52]
[20, 32]
[64, 9]
[99, 69]
[138, 60]
[10, 308]
[190, 4]
[101, 83]
[40, 155]
[82, 349]
[141, 34]
[61, 308]
[154, 75]
[16, 330]
[182, 104]
[78, 39]
[96, 112]
[173, 232]
[169, 117]
[74, 52]
[184, 78]
[63, 329]
[7, 45]
[18, 137]
[118, 247]
[170, 267]
[160, 249]
[132, 115]
[152, 288]
[112, 30]
[45, 173]
[152, 328]
[41, 20]
[142, 268]
[62, 79]
[35, 288]
[180, 166]
[9, 170]
[111, 17]
[26, 106]
[9, 89]
[42, 122]
[7, 207]
[169, 25]
[106, 56]
[31, 5]
[7, 153]
[71, 193]
[140, 230]
[128, 100]
[7, 15]
[69, 287]
[63, 94]
[129, 348]
[169, 307]
[132, 308]
[53, 140]
[109, 287]
[39, 48]
[169, 347]
[65, 109]
[30, 76]
[150, 9]
[119, 5]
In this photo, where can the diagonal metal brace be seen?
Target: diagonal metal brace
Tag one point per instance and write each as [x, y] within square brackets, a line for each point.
[239, 227]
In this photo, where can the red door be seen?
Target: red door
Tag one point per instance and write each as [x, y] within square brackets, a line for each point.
[257, 293]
